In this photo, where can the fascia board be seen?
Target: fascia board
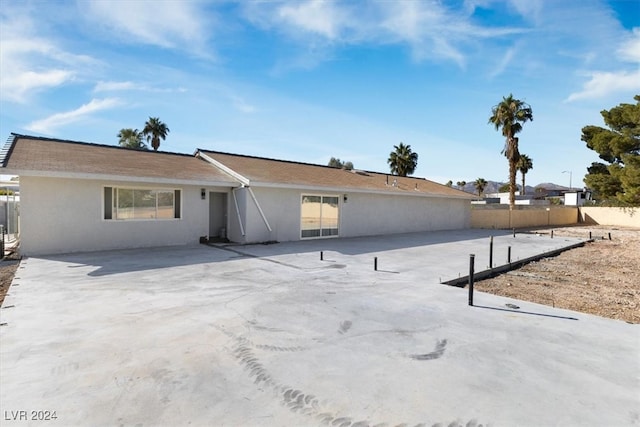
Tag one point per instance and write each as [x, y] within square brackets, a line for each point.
[109, 177]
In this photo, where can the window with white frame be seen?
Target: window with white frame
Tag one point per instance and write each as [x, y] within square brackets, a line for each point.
[319, 216]
[134, 204]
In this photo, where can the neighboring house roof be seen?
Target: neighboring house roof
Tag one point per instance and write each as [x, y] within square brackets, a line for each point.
[36, 156]
[280, 173]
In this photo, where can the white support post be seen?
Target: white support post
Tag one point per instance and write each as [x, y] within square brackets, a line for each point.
[235, 201]
[264, 218]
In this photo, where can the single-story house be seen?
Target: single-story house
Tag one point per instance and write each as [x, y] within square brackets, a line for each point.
[78, 196]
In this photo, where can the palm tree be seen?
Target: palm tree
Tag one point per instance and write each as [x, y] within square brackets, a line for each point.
[525, 164]
[131, 138]
[510, 115]
[480, 185]
[402, 160]
[155, 130]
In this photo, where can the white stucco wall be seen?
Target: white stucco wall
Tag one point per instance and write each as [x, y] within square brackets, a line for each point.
[66, 215]
[362, 215]
[374, 214]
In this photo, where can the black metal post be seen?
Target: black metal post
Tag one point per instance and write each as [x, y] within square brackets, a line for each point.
[321, 256]
[552, 234]
[491, 252]
[471, 263]
[375, 263]
[514, 233]
[609, 236]
[509, 255]
[589, 235]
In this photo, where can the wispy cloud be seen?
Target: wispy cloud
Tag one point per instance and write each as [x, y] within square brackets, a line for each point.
[431, 29]
[115, 86]
[30, 63]
[504, 63]
[164, 23]
[603, 83]
[50, 124]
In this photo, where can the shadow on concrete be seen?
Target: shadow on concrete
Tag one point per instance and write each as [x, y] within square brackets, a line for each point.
[437, 247]
[525, 312]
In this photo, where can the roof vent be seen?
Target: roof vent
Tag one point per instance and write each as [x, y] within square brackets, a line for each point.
[360, 172]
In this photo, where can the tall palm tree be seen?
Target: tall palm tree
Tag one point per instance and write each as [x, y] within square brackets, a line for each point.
[155, 130]
[509, 115]
[131, 138]
[480, 185]
[525, 164]
[402, 160]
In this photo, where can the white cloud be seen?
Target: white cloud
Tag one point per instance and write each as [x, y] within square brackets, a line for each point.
[50, 124]
[164, 23]
[630, 49]
[430, 29]
[602, 84]
[315, 16]
[29, 62]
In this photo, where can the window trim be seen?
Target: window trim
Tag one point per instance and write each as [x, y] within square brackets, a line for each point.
[322, 196]
[177, 203]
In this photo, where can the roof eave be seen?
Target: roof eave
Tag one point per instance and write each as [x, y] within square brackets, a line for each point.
[111, 177]
[391, 192]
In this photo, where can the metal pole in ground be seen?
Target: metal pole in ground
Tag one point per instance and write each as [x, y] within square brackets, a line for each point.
[321, 256]
[552, 234]
[509, 255]
[471, 264]
[375, 263]
[491, 252]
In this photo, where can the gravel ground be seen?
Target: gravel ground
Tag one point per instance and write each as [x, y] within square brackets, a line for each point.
[601, 278]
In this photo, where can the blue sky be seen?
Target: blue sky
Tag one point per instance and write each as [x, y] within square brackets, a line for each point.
[307, 80]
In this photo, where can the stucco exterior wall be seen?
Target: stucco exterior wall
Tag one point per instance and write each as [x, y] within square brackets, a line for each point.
[374, 214]
[626, 217]
[281, 207]
[64, 215]
[500, 217]
[361, 215]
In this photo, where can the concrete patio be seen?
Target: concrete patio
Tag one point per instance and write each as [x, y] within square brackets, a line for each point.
[270, 335]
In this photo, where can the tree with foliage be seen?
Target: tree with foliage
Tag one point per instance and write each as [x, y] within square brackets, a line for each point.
[504, 188]
[402, 160]
[131, 138]
[509, 116]
[335, 162]
[619, 146]
[524, 165]
[461, 184]
[449, 183]
[480, 185]
[155, 130]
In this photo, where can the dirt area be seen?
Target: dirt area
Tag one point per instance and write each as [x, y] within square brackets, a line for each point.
[601, 278]
[8, 269]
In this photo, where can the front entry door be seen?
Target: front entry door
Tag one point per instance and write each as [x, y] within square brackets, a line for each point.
[217, 215]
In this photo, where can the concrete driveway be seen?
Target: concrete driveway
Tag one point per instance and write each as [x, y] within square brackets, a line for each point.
[272, 335]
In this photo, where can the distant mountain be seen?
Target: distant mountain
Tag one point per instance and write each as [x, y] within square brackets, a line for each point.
[493, 186]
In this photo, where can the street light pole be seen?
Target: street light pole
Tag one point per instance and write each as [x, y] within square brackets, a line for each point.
[570, 173]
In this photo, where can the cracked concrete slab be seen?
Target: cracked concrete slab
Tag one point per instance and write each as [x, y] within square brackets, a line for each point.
[272, 335]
